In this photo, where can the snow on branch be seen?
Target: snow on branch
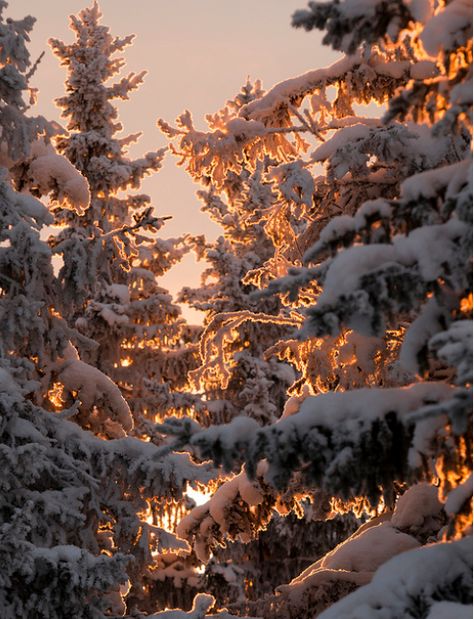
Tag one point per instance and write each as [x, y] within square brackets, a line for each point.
[417, 578]
[331, 435]
[201, 604]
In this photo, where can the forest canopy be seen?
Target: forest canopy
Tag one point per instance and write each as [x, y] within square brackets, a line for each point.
[304, 452]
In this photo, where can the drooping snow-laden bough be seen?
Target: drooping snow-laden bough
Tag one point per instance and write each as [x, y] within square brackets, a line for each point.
[369, 266]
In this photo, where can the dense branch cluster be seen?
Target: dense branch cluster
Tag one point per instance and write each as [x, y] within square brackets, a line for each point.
[323, 409]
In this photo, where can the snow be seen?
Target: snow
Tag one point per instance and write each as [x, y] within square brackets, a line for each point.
[32, 207]
[349, 265]
[249, 491]
[361, 347]
[289, 444]
[405, 577]
[353, 561]
[335, 229]
[8, 385]
[201, 604]
[423, 69]
[24, 429]
[189, 521]
[429, 247]
[334, 408]
[350, 121]
[454, 347]
[112, 314]
[461, 94]
[355, 8]
[230, 573]
[67, 553]
[430, 183]
[293, 403]
[370, 208]
[450, 610]
[322, 437]
[238, 428]
[421, 10]
[419, 503]
[343, 225]
[393, 68]
[458, 496]
[283, 93]
[443, 30]
[370, 549]
[243, 129]
[295, 183]
[425, 431]
[339, 139]
[120, 292]
[49, 170]
[94, 388]
[215, 510]
[428, 323]
[224, 495]
[169, 541]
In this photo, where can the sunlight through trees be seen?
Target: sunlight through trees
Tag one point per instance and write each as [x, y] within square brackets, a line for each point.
[304, 452]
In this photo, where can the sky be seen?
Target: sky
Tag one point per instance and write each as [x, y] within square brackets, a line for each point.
[198, 54]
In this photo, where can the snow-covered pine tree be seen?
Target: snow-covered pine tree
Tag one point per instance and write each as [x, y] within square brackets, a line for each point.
[29, 293]
[111, 254]
[384, 299]
[233, 374]
[76, 510]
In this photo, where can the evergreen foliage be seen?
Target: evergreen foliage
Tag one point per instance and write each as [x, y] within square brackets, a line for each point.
[325, 405]
[380, 291]
[111, 254]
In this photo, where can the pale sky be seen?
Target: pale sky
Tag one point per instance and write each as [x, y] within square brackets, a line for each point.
[198, 53]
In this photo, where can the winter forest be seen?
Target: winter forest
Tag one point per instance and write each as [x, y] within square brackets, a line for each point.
[305, 449]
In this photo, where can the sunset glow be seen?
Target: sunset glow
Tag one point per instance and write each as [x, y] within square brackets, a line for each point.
[236, 300]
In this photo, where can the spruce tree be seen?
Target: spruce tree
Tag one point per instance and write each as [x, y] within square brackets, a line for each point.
[236, 377]
[76, 510]
[352, 263]
[382, 294]
[233, 374]
[111, 254]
